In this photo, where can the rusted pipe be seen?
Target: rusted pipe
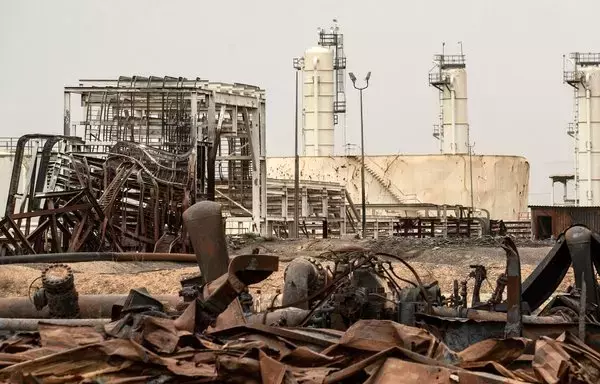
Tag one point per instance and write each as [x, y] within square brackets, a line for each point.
[582, 308]
[74, 257]
[90, 306]
[206, 227]
[501, 317]
[31, 325]
[514, 319]
[204, 222]
[579, 242]
[288, 317]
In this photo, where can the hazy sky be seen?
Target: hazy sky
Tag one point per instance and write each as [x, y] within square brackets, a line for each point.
[518, 104]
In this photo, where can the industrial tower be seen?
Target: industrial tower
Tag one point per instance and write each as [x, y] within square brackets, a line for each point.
[450, 78]
[583, 75]
[324, 96]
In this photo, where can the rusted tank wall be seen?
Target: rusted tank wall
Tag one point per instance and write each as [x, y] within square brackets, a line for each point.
[500, 183]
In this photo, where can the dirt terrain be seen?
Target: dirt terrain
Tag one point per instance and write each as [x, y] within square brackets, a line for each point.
[434, 259]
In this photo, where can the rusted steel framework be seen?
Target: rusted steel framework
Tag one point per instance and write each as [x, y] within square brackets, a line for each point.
[145, 149]
[46, 207]
[208, 137]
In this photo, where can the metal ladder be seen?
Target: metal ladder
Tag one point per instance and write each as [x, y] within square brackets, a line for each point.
[576, 110]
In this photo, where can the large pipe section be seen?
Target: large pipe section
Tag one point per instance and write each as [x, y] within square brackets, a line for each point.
[579, 243]
[90, 306]
[514, 319]
[32, 325]
[289, 317]
[204, 222]
[78, 257]
[479, 315]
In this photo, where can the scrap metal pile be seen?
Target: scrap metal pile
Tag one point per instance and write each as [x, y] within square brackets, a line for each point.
[131, 199]
[353, 320]
[148, 348]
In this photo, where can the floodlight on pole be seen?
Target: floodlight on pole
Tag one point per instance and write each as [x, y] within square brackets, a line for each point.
[362, 149]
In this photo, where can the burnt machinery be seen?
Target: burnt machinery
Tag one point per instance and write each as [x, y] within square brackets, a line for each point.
[577, 248]
[209, 302]
[358, 284]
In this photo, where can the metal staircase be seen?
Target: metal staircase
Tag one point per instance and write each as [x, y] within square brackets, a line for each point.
[386, 183]
[114, 188]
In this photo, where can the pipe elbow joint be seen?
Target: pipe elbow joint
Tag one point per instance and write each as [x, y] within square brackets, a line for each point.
[578, 234]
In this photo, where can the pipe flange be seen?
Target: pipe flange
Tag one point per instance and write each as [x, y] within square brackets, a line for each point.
[58, 277]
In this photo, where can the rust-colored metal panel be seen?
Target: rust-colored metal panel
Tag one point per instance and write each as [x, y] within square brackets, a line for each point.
[563, 217]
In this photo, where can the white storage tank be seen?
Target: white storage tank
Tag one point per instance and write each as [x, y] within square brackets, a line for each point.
[588, 121]
[455, 124]
[318, 98]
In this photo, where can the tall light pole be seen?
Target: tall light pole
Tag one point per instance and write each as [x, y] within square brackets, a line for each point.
[362, 147]
[298, 64]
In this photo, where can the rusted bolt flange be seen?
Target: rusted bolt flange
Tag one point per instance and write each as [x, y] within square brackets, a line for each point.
[58, 278]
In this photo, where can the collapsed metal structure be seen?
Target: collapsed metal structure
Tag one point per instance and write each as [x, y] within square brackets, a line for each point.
[145, 149]
[203, 140]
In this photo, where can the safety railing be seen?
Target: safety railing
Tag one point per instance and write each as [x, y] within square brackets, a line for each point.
[8, 145]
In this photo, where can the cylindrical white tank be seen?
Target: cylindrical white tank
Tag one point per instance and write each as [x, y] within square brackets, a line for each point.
[318, 98]
[455, 124]
[588, 156]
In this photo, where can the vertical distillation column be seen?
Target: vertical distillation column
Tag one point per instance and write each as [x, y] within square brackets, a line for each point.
[451, 81]
[585, 78]
[588, 156]
[334, 41]
[318, 101]
[455, 112]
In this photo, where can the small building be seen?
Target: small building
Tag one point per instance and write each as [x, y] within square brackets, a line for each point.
[547, 221]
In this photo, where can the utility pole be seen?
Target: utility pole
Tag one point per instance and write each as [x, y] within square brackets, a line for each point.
[298, 64]
[362, 148]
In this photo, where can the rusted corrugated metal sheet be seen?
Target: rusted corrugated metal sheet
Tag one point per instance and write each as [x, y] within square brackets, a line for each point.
[561, 218]
[373, 351]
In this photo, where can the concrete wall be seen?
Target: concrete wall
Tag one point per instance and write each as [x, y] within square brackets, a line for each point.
[500, 183]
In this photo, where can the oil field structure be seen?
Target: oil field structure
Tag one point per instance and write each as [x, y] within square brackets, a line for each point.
[145, 149]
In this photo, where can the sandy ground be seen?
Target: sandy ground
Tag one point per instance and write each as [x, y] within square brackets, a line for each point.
[441, 263]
